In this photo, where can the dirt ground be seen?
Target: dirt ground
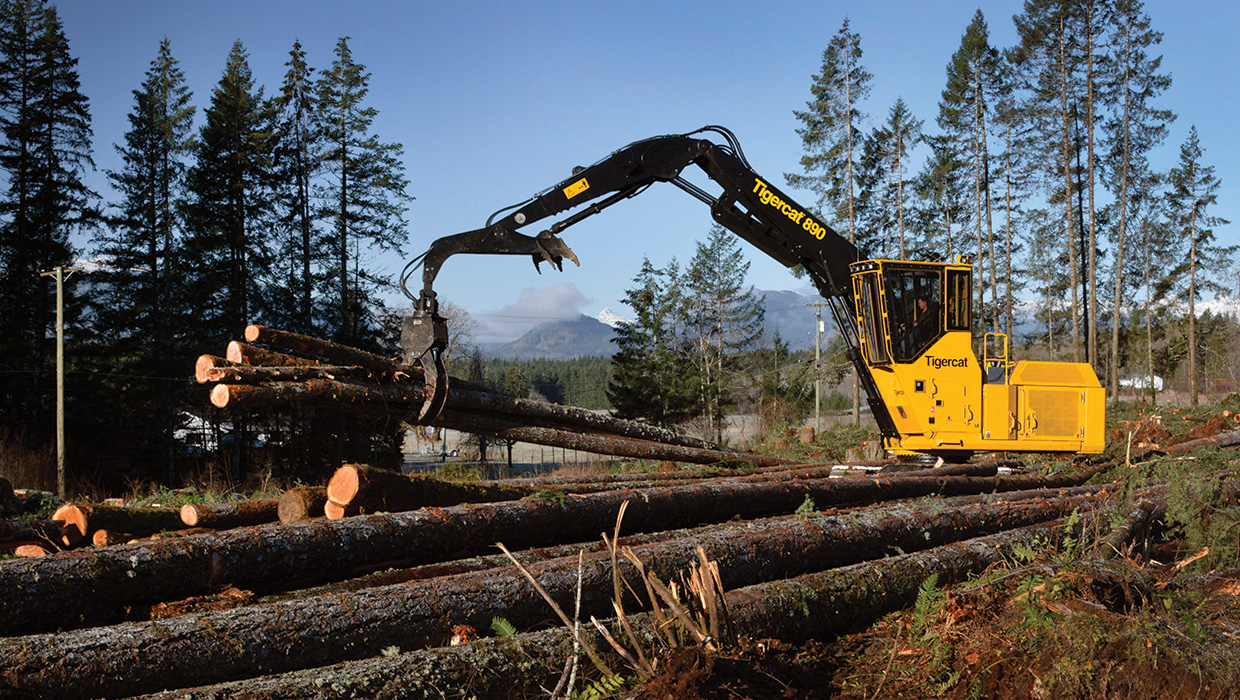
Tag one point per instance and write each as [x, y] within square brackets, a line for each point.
[1083, 630]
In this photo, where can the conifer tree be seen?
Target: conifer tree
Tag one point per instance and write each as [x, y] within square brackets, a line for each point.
[974, 83]
[140, 308]
[1193, 192]
[1138, 126]
[831, 140]
[230, 205]
[886, 163]
[725, 320]
[45, 149]
[364, 198]
[297, 153]
[650, 370]
[940, 188]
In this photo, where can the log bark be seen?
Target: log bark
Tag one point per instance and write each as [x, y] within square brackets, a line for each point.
[302, 503]
[388, 573]
[249, 641]
[332, 352]
[31, 531]
[360, 488]
[9, 505]
[355, 489]
[223, 516]
[138, 522]
[45, 594]
[1220, 440]
[210, 368]
[404, 400]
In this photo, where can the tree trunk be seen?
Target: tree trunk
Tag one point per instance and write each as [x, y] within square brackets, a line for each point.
[360, 488]
[223, 516]
[45, 594]
[138, 522]
[836, 602]
[302, 503]
[327, 629]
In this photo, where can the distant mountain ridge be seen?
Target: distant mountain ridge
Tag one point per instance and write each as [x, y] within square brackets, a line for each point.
[790, 314]
[787, 313]
[565, 339]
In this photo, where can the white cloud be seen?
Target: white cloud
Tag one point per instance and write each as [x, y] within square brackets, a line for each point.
[532, 307]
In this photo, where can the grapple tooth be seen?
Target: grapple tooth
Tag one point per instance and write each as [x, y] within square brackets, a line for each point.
[435, 389]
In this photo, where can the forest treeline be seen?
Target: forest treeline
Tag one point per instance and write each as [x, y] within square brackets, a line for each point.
[249, 205]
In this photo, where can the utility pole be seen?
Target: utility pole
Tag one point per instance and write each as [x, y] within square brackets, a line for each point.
[817, 366]
[60, 274]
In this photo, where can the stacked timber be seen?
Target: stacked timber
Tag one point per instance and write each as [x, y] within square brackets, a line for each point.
[300, 370]
[84, 520]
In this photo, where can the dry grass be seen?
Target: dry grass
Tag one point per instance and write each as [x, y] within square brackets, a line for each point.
[27, 464]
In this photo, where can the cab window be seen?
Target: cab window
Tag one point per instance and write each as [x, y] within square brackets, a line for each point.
[914, 310]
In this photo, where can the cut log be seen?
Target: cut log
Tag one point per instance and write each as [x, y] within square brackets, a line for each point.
[138, 522]
[32, 531]
[332, 352]
[31, 550]
[9, 505]
[524, 664]
[243, 354]
[386, 573]
[356, 489]
[45, 594]
[222, 516]
[210, 368]
[1220, 440]
[107, 538]
[405, 399]
[302, 503]
[361, 488]
[250, 641]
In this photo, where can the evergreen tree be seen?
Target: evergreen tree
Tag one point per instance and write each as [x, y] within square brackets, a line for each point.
[139, 311]
[830, 139]
[1193, 191]
[831, 131]
[45, 149]
[364, 198]
[886, 163]
[230, 205]
[974, 84]
[1137, 127]
[940, 188]
[726, 320]
[650, 370]
[297, 154]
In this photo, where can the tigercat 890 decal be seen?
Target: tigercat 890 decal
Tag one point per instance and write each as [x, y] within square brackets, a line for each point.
[768, 197]
[576, 188]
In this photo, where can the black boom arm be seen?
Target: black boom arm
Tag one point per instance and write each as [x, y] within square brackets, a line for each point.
[749, 206]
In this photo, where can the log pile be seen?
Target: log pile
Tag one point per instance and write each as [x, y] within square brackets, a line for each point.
[326, 373]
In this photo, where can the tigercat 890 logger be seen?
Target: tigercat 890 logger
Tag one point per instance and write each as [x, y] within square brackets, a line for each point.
[907, 325]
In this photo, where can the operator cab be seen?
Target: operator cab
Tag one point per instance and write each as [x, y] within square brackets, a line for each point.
[903, 308]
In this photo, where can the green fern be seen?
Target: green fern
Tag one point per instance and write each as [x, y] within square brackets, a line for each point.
[930, 600]
[602, 688]
[502, 627]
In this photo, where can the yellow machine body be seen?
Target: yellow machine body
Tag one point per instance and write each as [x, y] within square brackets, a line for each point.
[916, 338]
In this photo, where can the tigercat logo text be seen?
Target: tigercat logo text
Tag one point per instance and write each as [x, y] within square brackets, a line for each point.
[798, 217]
[941, 362]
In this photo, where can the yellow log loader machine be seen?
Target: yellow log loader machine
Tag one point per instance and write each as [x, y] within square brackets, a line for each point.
[908, 325]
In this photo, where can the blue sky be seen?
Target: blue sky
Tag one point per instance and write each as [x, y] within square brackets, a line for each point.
[495, 101]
